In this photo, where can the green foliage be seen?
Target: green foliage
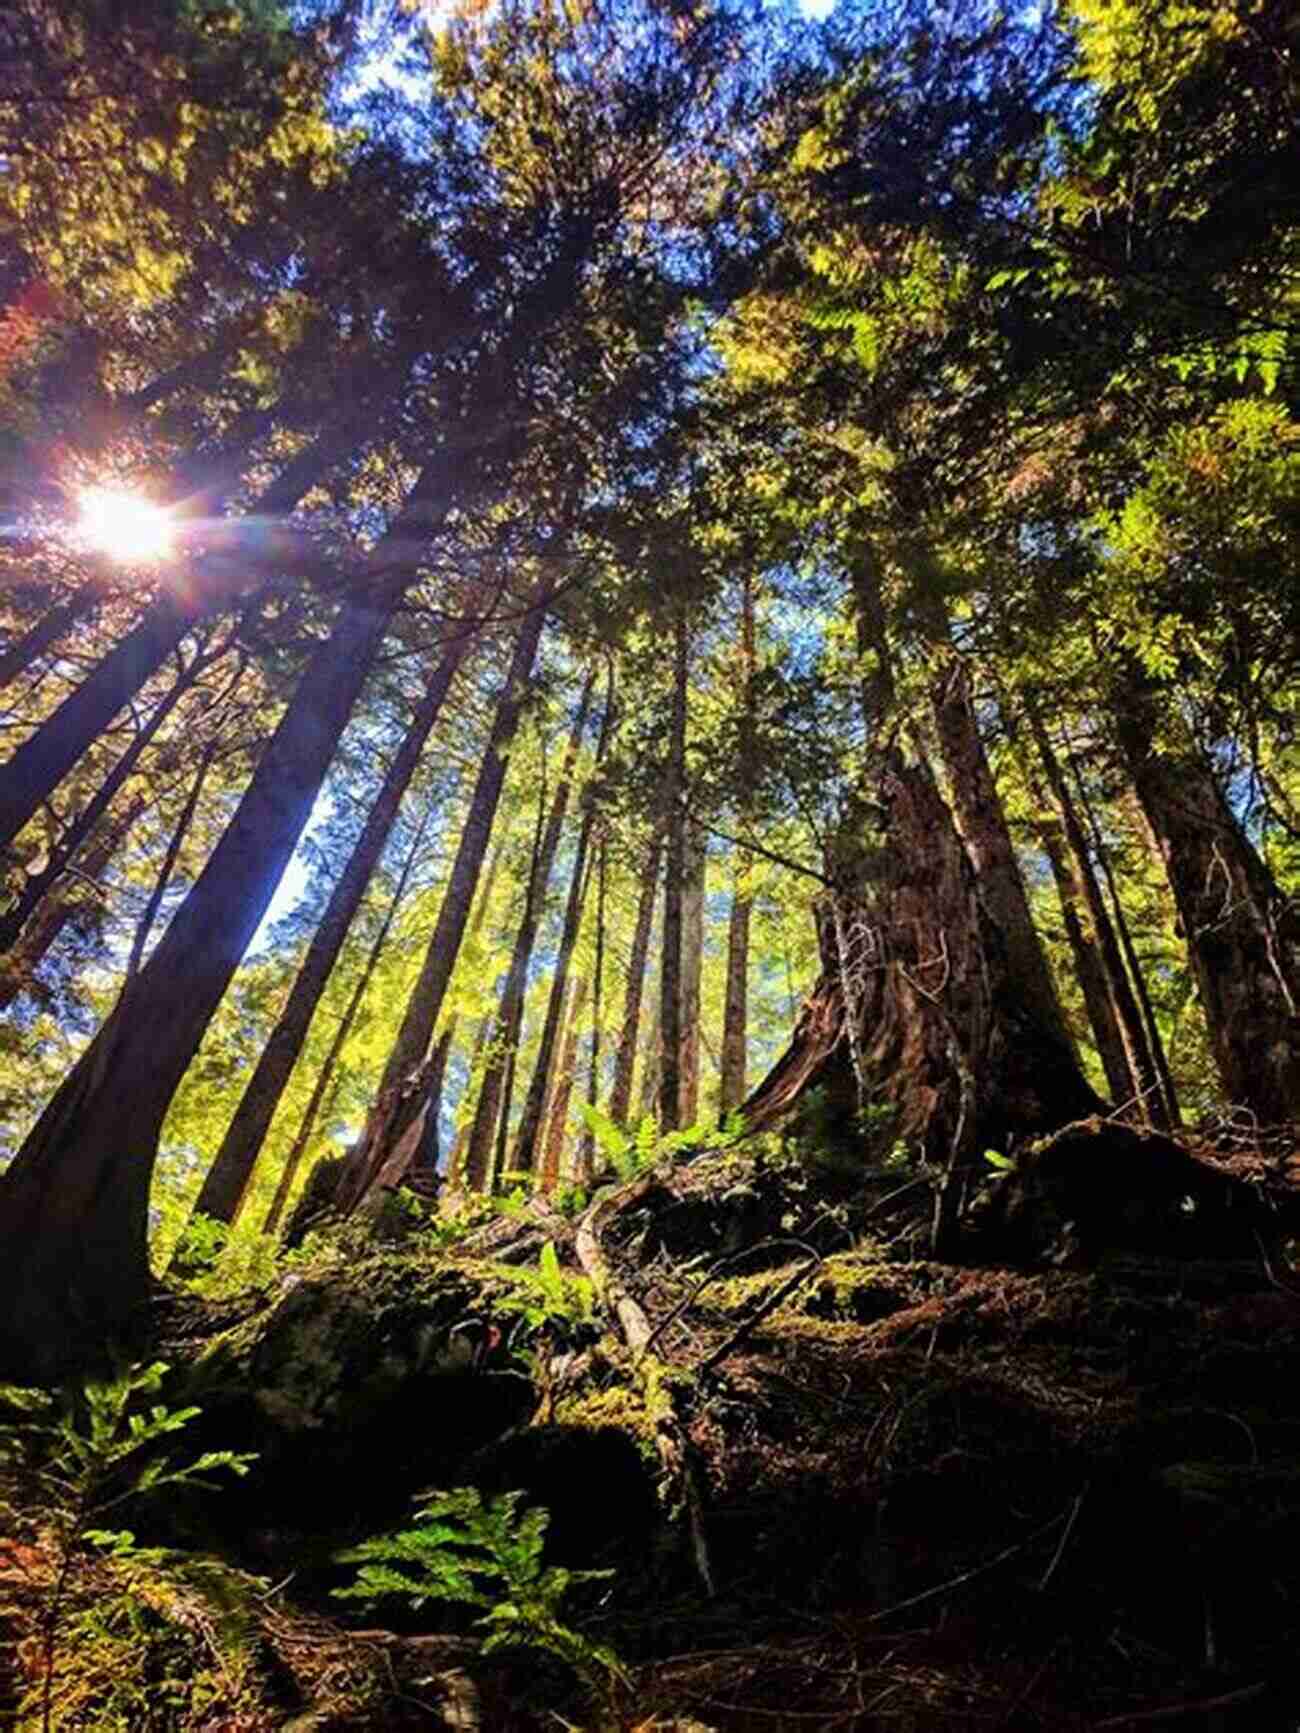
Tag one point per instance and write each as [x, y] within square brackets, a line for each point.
[484, 1553]
[69, 1461]
[628, 1152]
[547, 1298]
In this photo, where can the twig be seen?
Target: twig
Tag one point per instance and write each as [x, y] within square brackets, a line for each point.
[966, 1576]
[1172, 1711]
[1065, 1540]
[769, 1305]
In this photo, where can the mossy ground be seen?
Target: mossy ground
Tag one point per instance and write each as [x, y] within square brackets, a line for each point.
[929, 1496]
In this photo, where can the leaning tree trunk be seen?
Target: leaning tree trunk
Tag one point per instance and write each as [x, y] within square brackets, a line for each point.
[75, 1199]
[298, 1149]
[226, 1179]
[560, 1093]
[1242, 934]
[692, 974]
[54, 624]
[74, 1202]
[919, 1033]
[372, 1163]
[493, 1105]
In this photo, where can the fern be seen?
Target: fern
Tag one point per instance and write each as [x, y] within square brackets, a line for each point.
[486, 1554]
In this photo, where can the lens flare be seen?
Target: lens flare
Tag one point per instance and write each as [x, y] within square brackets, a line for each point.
[123, 525]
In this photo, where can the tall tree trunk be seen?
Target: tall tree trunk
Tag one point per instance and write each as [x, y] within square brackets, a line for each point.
[529, 1137]
[1146, 1090]
[735, 1017]
[1242, 934]
[76, 832]
[981, 822]
[324, 1077]
[399, 1100]
[226, 1179]
[692, 973]
[34, 771]
[175, 843]
[74, 1202]
[919, 1017]
[620, 1100]
[45, 926]
[1141, 992]
[560, 1094]
[493, 1106]
[1125, 1089]
[670, 970]
[585, 1165]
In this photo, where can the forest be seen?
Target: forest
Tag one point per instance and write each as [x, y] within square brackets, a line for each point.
[649, 865]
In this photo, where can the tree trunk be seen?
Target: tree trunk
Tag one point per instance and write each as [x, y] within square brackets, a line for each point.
[1125, 1089]
[981, 823]
[735, 1041]
[670, 970]
[399, 1100]
[692, 973]
[529, 1139]
[493, 1105]
[560, 1093]
[355, 1001]
[226, 1179]
[1150, 1027]
[40, 933]
[175, 843]
[735, 1016]
[1242, 934]
[620, 1100]
[585, 1165]
[75, 1199]
[1145, 1089]
[917, 1034]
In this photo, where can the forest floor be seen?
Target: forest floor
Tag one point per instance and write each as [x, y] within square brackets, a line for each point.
[838, 1484]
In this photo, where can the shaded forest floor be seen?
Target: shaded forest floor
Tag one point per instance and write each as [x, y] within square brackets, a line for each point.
[838, 1484]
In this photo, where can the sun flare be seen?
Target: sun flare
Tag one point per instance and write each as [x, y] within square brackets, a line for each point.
[124, 525]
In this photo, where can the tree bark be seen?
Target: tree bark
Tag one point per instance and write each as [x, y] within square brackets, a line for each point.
[981, 822]
[399, 1101]
[917, 1034]
[1242, 934]
[620, 1100]
[670, 973]
[229, 1174]
[493, 1106]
